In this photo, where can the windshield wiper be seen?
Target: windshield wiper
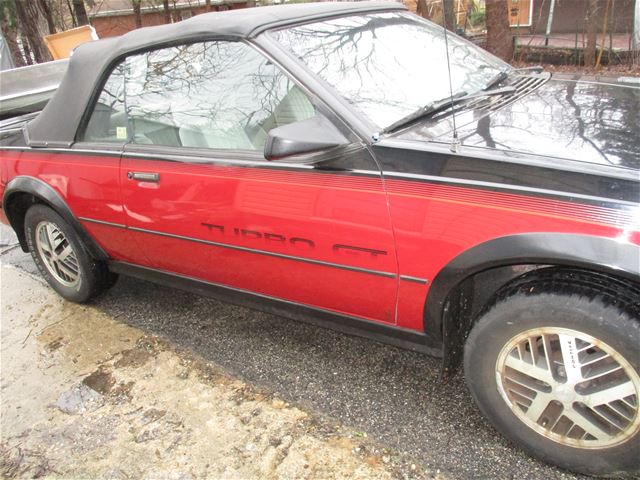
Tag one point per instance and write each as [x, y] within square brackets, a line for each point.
[444, 103]
[497, 78]
[503, 74]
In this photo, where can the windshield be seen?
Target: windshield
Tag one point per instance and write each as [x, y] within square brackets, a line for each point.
[389, 65]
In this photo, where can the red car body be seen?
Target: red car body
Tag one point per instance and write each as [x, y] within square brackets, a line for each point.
[367, 247]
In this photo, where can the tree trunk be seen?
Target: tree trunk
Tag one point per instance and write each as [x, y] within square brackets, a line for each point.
[44, 6]
[208, 5]
[636, 33]
[604, 34]
[499, 37]
[27, 51]
[74, 22]
[449, 15]
[592, 33]
[137, 13]
[167, 13]
[80, 12]
[29, 16]
[10, 36]
[421, 8]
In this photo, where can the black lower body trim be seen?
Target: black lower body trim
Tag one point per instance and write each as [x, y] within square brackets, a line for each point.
[388, 334]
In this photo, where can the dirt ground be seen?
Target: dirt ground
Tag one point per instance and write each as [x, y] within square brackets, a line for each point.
[85, 396]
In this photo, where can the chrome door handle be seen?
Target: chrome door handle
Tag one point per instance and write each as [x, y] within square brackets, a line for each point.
[144, 176]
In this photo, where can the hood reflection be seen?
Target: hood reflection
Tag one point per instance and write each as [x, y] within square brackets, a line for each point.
[585, 121]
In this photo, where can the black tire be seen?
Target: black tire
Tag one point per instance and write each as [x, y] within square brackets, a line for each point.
[93, 276]
[486, 354]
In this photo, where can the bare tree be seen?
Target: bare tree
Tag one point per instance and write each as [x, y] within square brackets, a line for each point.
[636, 33]
[422, 8]
[28, 15]
[80, 13]
[499, 37]
[167, 13]
[449, 15]
[592, 33]
[74, 22]
[137, 12]
[44, 6]
[58, 14]
[9, 27]
[448, 12]
[24, 41]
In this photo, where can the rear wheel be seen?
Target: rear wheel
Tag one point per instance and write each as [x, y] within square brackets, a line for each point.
[62, 258]
[558, 373]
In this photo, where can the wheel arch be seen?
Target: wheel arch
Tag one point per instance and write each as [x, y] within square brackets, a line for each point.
[472, 278]
[22, 192]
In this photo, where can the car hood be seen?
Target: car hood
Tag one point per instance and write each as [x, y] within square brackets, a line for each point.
[565, 117]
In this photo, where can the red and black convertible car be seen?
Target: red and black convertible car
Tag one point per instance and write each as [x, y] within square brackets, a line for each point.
[349, 164]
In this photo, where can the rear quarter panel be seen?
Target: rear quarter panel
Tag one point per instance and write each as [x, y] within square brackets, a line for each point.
[87, 182]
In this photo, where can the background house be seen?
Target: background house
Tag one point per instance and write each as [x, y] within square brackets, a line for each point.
[568, 28]
[569, 15]
[614, 21]
[115, 17]
[530, 16]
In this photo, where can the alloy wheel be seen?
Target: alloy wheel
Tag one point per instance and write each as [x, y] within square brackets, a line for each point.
[570, 387]
[57, 254]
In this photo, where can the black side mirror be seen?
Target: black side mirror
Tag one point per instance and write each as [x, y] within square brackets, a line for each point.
[307, 136]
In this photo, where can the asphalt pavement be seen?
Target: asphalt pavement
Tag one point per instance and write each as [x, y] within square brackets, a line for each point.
[392, 395]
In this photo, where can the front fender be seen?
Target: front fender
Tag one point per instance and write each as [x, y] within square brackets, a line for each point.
[598, 254]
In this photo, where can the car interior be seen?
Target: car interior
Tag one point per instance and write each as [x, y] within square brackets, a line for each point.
[109, 124]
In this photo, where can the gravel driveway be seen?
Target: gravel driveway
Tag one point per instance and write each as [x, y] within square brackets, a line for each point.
[393, 396]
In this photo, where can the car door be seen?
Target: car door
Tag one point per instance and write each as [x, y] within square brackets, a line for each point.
[201, 201]
[88, 174]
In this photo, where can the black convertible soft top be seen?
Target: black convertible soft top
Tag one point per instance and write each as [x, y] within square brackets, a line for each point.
[56, 126]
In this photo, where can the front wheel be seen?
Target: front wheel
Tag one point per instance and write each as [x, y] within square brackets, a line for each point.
[62, 258]
[558, 374]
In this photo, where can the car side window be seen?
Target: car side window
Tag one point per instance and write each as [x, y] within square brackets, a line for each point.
[218, 95]
[108, 121]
